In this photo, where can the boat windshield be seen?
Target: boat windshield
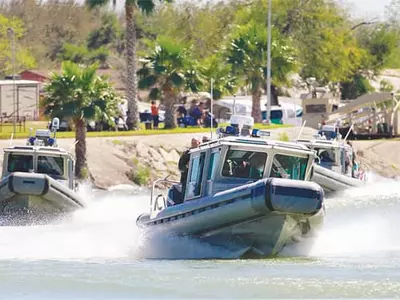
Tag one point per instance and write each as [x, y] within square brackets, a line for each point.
[244, 164]
[52, 166]
[20, 163]
[290, 167]
[327, 157]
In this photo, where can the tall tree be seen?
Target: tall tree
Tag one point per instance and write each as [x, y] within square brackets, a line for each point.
[80, 54]
[247, 55]
[78, 93]
[318, 29]
[49, 24]
[107, 34]
[131, 8]
[214, 68]
[379, 44]
[166, 72]
[23, 58]
[204, 27]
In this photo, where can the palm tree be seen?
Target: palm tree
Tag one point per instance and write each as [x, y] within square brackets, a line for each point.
[247, 55]
[131, 7]
[213, 67]
[79, 94]
[167, 72]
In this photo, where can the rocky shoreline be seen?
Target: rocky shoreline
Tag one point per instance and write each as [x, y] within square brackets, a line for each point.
[142, 159]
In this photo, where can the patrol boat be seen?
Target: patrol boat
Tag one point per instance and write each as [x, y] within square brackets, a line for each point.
[247, 194]
[38, 182]
[330, 170]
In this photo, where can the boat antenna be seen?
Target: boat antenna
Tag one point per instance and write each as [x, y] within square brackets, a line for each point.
[348, 133]
[73, 145]
[269, 63]
[11, 139]
[234, 104]
[301, 129]
[211, 108]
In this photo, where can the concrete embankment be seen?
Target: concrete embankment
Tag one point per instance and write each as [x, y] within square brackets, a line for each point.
[142, 159]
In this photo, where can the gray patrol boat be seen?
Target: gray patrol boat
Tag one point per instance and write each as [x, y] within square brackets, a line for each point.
[330, 169]
[245, 193]
[38, 182]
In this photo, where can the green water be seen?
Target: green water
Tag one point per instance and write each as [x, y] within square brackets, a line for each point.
[100, 254]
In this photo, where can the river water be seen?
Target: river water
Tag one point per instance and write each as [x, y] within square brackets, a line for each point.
[100, 254]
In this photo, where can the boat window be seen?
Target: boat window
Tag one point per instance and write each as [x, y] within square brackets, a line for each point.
[290, 167]
[244, 164]
[214, 159]
[196, 176]
[51, 165]
[326, 156]
[20, 163]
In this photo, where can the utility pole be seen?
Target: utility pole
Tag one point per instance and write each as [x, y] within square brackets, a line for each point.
[234, 104]
[211, 107]
[269, 63]
[11, 33]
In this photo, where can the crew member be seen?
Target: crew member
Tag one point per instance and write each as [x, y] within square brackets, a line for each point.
[183, 164]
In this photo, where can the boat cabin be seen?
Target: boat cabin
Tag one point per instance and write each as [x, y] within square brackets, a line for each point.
[239, 156]
[40, 155]
[331, 154]
[230, 162]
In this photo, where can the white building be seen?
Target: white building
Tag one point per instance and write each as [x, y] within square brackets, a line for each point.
[21, 101]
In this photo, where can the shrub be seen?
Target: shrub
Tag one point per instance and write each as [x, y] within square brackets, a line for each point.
[283, 136]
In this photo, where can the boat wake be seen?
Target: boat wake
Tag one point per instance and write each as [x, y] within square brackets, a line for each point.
[106, 229]
[360, 221]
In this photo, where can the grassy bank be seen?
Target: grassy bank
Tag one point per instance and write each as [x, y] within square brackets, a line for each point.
[23, 132]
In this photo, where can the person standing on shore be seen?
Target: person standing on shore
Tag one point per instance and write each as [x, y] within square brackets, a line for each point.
[154, 114]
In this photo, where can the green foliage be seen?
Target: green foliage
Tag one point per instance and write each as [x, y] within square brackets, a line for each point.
[224, 82]
[204, 27]
[165, 68]
[247, 55]
[80, 54]
[380, 43]
[283, 136]
[312, 37]
[85, 174]
[117, 142]
[355, 87]
[139, 175]
[167, 71]
[48, 25]
[386, 86]
[316, 29]
[23, 57]
[79, 93]
[107, 34]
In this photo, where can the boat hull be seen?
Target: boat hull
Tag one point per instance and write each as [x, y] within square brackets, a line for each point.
[255, 220]
[331, 181]
[35, 198]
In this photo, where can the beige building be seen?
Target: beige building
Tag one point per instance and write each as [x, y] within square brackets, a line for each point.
[19, 98]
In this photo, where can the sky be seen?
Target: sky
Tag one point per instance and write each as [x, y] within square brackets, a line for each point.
[371, 8]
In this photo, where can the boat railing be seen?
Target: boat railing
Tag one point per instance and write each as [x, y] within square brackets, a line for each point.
[154, 203]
